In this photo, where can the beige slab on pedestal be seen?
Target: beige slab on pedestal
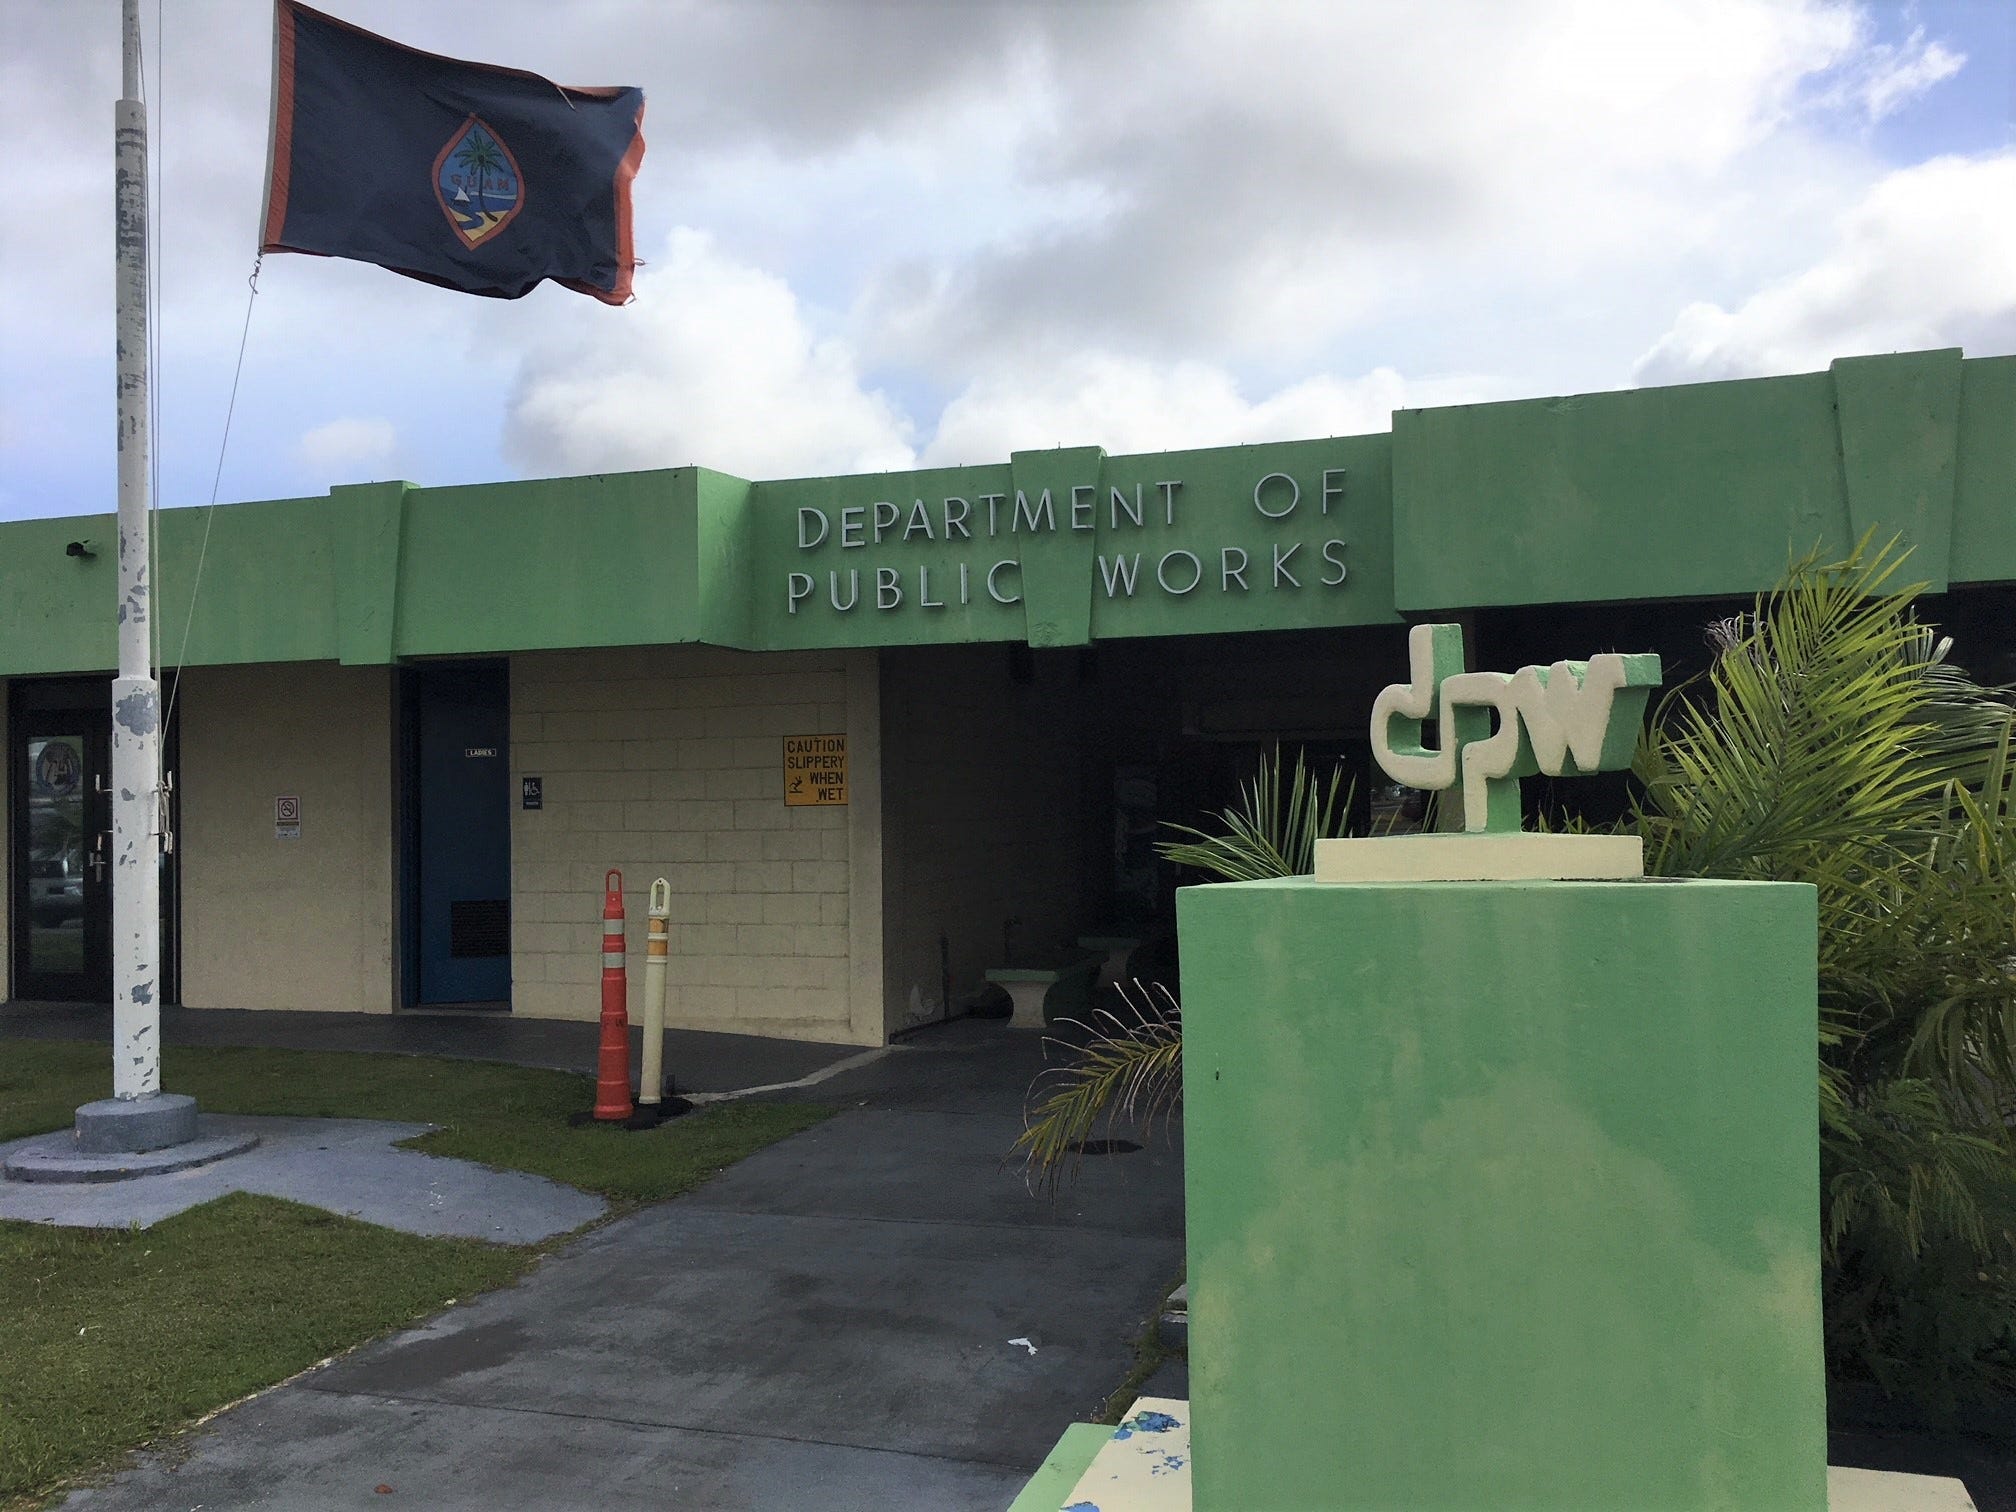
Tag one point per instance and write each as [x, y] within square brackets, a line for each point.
[1515, 857]
[1890, 1491]
[1145, 1467]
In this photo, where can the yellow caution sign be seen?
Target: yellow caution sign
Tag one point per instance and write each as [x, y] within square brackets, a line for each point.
[815, 769]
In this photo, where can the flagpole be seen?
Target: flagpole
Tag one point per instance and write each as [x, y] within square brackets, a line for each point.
[136, 696]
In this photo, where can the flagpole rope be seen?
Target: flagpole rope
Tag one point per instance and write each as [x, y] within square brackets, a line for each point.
[216, 484]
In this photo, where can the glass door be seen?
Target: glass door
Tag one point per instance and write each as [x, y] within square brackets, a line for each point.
[62, 856]
[59, 810]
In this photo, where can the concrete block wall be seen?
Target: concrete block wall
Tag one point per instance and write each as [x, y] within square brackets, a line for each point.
[269, 923]
[983, 818]
[668, 761]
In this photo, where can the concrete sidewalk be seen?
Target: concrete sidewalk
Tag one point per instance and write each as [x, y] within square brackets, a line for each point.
[826, 1326]
[350, 1166]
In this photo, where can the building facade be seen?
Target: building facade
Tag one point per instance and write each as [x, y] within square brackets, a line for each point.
[880, 733]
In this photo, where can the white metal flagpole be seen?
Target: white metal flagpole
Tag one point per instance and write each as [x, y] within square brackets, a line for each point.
[136, 696]
[139, 1129]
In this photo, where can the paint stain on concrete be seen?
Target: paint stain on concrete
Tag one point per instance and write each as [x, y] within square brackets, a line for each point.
[433, 1361]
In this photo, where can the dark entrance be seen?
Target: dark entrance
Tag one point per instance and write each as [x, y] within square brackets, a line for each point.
[459, 835]
[59, 769]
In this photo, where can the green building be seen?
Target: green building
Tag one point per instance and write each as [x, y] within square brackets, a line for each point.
[881, 733]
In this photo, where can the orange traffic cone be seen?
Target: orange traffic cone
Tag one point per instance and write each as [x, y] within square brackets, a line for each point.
[612, 1067]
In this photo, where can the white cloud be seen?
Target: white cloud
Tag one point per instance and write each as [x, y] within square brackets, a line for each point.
[341, 449]
[1132, 405]
[1138, 222]
[715, 363]
[1927, 259]
[1886, 77]
[1266, 178]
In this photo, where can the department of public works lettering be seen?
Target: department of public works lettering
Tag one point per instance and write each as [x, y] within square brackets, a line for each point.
[1145, 507]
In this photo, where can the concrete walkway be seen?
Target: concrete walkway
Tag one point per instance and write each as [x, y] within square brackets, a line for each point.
[826, 1327]
[346, 1165]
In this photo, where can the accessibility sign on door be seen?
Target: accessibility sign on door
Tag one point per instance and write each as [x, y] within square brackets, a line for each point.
[815, 769]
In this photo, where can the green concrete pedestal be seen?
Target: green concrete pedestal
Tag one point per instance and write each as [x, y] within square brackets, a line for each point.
[1503, 1195]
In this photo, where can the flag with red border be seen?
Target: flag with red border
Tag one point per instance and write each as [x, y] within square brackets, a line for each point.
[479, 178]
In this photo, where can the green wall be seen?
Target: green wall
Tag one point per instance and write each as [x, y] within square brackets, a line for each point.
[1707, 489]
[1502, 1195]
[601, 561]
[1984, 512]
[1648, 493]
[268, 577]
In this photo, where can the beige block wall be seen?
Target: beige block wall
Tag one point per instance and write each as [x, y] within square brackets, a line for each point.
[270, 923]
[982, 825]
[668, 761]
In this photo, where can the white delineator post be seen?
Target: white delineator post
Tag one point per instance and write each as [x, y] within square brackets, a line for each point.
[136, 696]
[657, 956]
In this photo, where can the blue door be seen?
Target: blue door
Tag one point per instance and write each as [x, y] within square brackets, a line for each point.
[462, 827]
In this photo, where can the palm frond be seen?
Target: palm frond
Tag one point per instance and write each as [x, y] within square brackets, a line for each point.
[1810, 731]
[1272, 831]
[1131, 1066]
[1129, 1070]
[1832, 742]
[1904, 1162]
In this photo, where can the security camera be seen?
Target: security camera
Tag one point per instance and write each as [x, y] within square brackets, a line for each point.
[79, 549]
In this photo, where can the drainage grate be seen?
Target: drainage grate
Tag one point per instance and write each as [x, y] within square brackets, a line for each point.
[479, 927]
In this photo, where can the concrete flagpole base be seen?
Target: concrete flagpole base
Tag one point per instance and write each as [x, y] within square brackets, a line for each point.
[134, 1125]
[119, 1138]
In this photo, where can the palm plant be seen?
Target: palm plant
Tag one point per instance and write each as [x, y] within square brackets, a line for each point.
[1271, 831]
[1832, 743]
[1131, 1065]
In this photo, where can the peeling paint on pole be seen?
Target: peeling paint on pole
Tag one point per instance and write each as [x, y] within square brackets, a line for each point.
[138, 714]
[136, 696]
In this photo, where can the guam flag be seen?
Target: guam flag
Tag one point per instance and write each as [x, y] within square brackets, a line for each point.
[479, 178]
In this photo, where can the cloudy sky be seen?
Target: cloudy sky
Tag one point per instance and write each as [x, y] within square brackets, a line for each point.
[885, 233]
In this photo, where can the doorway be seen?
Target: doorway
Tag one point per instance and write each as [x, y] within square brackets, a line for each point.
[458, 835]
[59, 776]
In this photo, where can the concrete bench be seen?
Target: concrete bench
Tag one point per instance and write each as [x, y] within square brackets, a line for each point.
[1116, 949]
[1040, 995]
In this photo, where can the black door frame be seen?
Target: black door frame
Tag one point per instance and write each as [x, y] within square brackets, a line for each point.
[33, 701]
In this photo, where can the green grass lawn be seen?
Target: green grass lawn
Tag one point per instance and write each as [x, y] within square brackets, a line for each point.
[508, 1116]
[113, 1338]
[109, 1339]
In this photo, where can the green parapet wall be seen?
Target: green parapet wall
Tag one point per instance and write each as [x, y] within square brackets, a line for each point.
[1503, 1195]
[1669, 493]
